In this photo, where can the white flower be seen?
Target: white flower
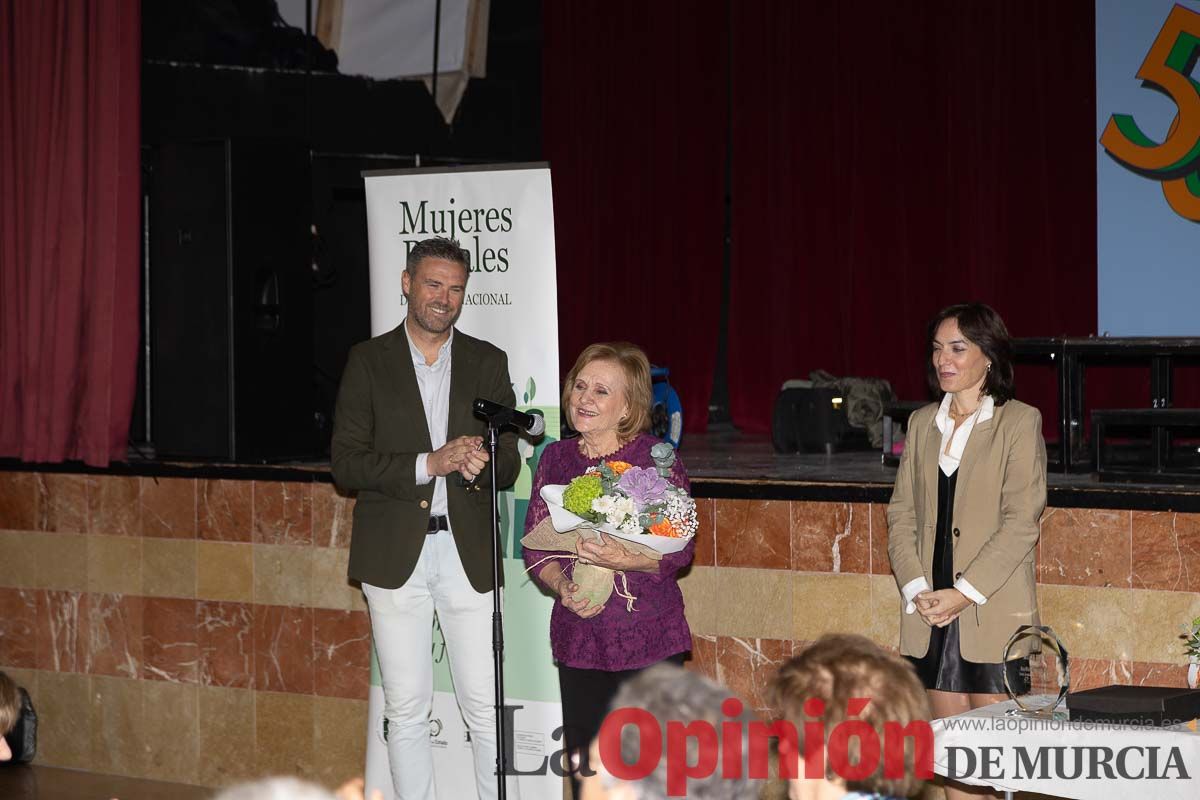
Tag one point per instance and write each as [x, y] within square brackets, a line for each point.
[626, 506]
[603, 504]
[631, 526]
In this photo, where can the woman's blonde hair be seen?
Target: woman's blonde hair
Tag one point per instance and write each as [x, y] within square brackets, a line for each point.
[838, 668]
[10, 704]
[638, 393]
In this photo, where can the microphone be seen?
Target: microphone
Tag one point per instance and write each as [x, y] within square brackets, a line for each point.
[532, 423]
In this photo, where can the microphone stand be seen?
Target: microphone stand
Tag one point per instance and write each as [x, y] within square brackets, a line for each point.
[496, 420]
[493, 436]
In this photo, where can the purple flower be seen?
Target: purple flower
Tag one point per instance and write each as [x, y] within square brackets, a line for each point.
[643, 486]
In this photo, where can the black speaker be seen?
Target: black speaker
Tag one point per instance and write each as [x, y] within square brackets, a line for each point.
[230, 301]
[812, 419]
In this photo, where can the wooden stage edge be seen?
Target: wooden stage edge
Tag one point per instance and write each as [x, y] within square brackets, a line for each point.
[722, 465]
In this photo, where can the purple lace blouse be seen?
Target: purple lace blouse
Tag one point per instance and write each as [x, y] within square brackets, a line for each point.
[614, 639]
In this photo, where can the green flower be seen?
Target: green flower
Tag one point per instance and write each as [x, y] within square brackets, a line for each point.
[578, 496]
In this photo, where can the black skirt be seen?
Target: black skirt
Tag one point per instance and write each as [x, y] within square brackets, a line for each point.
[943, 667]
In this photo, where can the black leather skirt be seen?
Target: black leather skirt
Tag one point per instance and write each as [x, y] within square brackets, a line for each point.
[943, 667]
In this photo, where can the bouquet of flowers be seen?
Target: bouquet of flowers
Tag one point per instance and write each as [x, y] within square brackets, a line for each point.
[635, 504]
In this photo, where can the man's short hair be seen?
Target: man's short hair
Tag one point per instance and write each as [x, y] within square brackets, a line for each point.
[10, 704]
[838, 668]
[441, 248]
[673, 694]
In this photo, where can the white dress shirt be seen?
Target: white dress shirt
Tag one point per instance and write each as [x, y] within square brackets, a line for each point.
[433, 380]
[949, 457]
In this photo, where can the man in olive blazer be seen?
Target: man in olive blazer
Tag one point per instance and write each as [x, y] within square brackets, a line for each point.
[379, 429]
[406, 440]
[998, 502]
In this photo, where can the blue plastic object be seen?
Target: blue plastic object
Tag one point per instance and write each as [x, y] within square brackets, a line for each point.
[666, 414]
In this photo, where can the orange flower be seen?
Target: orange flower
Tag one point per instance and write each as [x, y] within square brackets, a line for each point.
[619, 467]
[664, 528]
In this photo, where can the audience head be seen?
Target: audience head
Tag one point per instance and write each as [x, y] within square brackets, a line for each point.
[609, 389]
[10, 712]
[276, 789]
[982, 349]
[670, 694]
[836, 670]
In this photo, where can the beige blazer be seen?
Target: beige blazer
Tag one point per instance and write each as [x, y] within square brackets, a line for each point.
[998, 500]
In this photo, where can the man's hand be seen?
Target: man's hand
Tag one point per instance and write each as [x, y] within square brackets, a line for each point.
[451, 456]
[942, 607]
[473, 463]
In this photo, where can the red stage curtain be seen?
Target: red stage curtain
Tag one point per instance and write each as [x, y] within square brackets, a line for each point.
[894, 157]
[635, 132]
[69, 197]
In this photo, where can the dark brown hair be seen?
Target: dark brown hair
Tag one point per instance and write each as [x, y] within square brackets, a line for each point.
[638, 392]
[441, 248]
[981, 326]
[838, 668]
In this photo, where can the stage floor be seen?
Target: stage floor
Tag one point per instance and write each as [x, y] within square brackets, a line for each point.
[728, 464]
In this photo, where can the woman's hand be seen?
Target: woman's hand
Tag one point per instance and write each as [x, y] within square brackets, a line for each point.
[942, 607]
[608, 552]
[566, 589]
[552, 575]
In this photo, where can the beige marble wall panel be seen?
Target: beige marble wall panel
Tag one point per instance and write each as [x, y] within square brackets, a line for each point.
[171, 731]
[829, 604]
[701, 599]
[18, 567]
[114, 564]
[283, 575]
[1093, 622]
[169, 568]
[63, 703]
[331, 588]
[225, 571]
[118, 726]
[884, 629]
[339, 739]
[754, 603]
[62, 560]
[283, 731]
[26, 679]
[1159, 616]
[226, 735]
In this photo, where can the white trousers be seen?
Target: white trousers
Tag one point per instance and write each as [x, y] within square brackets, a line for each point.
[402, 625]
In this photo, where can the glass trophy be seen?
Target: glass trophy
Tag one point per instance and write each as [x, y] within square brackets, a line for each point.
[1047, 658]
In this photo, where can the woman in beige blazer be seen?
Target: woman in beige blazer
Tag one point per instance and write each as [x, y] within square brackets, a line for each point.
[963, 519]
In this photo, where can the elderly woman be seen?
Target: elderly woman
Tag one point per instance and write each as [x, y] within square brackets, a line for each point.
[963, 520]
[606, 398]
[835, 670]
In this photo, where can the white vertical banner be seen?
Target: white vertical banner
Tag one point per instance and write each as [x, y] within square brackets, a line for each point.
[503, 216]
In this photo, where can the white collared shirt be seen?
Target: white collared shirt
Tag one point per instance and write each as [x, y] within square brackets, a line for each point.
[433, 381]
[954, 442]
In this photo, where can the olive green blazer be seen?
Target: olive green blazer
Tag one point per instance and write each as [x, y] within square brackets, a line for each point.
[998, 502]
[379, 429]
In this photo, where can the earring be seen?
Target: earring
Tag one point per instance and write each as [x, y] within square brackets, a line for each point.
[989, 366]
